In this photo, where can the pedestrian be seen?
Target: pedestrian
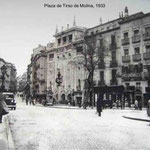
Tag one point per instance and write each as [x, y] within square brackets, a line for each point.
[30, 100]
[136, 105]
[99, 105]
[27, 100]
[3, 107]
[140, 104]
[117, 103]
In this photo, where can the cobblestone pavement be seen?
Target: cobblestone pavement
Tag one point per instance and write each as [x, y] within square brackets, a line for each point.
[44, 128]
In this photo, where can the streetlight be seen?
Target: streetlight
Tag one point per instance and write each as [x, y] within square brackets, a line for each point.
[3, 71]
[58, 81]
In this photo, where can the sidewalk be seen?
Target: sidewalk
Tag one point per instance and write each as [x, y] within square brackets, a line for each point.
[135, 115]
[6, 142]
[138, 115]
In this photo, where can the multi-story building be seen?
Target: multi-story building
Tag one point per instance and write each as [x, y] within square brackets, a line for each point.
[9, 76]
[39, 71]
[63, 76]
[2, 62]
[106, 74]
[124, 68]
[135, 53]
[10, 80]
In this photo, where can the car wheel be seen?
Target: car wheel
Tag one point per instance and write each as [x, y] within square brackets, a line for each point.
[14, 108]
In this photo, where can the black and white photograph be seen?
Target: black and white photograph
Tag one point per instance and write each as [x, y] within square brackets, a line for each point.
[74, 75]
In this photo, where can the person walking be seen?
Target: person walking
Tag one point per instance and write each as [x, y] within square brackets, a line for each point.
[3, 107]
[99, 105]
[136, 105]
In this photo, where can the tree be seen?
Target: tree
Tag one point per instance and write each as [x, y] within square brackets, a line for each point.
[92, 55]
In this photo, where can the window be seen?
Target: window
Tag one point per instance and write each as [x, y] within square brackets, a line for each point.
[59, 41]
[51, 56]
[101, 42]
[127, 84]
[137, 50]
[148, 49]
[125, 35]
[113, 55]
[136, 32]
[138, 84]
[70, 37]
[64, 39]
[101, 75]
[92, 33]
[147, 30]
[108, 28]
[126, 52]
[113, 39]
[79, 49]
[114, 72]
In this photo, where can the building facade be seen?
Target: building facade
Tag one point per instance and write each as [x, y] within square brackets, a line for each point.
[10, 82]
[124, 69]
[63, 76]
[37, 72]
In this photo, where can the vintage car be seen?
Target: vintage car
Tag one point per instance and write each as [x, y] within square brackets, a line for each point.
[10, 100]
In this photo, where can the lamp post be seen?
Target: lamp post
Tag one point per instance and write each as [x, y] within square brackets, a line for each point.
[3, 71]
[58, 81]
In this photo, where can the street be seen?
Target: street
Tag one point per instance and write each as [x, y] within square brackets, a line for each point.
[49, 128]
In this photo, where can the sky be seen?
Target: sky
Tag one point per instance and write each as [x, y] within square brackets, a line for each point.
[24, 24]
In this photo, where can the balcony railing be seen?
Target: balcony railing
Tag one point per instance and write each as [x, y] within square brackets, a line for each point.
[136, 38]
[138, 89]
[126, 59]
[113, 63]
[146, 56]
[125, 41]
[113, 46]
[136, 57]
[101, 82]
[113, 82]
[146, 36]
[146, 75]
[101, 65]
[132, 77]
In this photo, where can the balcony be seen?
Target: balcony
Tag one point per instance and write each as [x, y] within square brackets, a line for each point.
[132, 77]
[146, 37]
[125, 41]
[101, 82]
[101, 65]
[113, 64]
[126, 59]
[113, 82]
[136, 57]
[146, 56]
[136, 38]
[147, 89]
[113, 46]
[138, 90]
[146, 75]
